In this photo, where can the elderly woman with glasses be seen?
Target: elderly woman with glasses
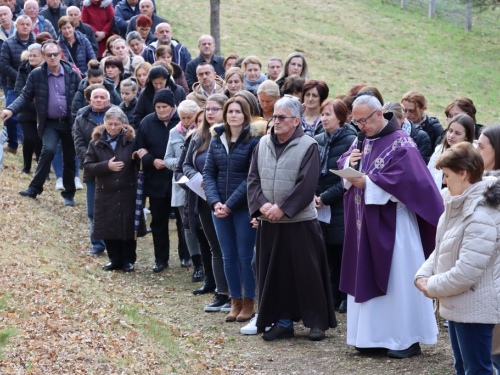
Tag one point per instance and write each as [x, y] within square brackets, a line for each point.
[109, 159]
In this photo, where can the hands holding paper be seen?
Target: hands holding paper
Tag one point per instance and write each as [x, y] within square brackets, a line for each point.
[359, 182]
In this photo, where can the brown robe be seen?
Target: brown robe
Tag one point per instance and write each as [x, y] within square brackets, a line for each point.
[292, 267]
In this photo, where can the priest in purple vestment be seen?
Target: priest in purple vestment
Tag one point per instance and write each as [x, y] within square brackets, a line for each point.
[391, 214]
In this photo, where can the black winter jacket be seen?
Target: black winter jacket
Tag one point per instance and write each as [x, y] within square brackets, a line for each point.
[433, 128]
[10, 57]
[80, 102]
[226, 168]
[423, 142]
[193, 64]
[83, 128]
[37, 88]
[123, 13]
[153, 136]
[115, 192]
[89, 33]
[28, 114]
[53, 16]
[330, 188]
[84, 51]
[145, 104]
[129, 111]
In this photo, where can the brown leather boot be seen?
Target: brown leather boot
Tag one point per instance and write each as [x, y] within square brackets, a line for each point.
[236, 305]
[247, 312]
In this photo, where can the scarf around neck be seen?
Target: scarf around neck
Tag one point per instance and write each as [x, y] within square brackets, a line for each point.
[326, 150]
[252, 86]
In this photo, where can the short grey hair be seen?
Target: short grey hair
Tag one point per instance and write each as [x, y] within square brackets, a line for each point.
[289, 103]
[5, 7]
[133, 35]
[116, 112]
[35, 46]
[108, 95]
[371, 101]
[269, 87]
[188, 107]
[151, 1]
[73, 8]
[30, 1]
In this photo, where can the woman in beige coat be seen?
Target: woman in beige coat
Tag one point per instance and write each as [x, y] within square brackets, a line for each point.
[463, 272]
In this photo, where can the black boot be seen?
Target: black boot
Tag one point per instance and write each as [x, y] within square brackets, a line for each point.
[198, 274]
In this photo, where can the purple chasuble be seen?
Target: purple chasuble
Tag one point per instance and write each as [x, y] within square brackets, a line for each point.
[393, 163]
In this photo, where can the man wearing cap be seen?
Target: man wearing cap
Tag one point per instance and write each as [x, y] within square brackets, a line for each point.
[151, 144]
[53, 87]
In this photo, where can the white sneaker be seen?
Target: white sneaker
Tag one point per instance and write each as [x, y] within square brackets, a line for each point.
[78, 184]
[59, 184]
[251, 328]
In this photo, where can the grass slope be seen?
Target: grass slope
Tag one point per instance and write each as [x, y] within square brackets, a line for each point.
[348, 42]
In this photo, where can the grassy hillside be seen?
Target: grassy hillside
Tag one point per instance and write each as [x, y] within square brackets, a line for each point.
[348, 42]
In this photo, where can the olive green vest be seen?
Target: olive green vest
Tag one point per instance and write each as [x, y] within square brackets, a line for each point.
[278, 177]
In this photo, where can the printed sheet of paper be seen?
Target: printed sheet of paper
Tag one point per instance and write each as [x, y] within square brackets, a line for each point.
[195, 185]
[324, 214]
[347, 173]
[182, 180]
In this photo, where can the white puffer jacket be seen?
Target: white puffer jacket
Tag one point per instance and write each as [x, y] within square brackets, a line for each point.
[464, 269]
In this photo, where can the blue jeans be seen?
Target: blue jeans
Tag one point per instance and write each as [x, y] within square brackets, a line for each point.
[237, 240]
[471, 345]
[96, 244]
[11, 123]
[57, 163]
[496, 362]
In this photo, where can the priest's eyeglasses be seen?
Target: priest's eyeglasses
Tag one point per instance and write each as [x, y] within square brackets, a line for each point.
[363, 121]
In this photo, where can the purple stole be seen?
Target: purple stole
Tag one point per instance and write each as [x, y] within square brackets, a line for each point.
[394, 164]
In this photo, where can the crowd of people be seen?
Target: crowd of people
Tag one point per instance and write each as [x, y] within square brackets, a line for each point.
[282, 191]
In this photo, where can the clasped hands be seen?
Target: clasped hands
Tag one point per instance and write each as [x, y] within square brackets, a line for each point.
[157, 163]
[421, 284]
[272, 211]
[221, 210]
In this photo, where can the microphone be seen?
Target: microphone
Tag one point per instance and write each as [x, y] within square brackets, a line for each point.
[361, 138]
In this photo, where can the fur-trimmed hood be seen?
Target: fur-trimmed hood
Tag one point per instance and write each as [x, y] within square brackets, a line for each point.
[103, 4]
[492, 193]
[129, 131]
[258, 128]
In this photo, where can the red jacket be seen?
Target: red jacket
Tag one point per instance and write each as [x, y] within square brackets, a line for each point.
[99, 15]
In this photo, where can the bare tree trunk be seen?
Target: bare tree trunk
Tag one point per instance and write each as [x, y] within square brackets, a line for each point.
[468, 16]
[215, 23]
[403, 4]
[432, 8]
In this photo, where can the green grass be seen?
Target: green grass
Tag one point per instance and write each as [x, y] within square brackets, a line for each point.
[360, 41]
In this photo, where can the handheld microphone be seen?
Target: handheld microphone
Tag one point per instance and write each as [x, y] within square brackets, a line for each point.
[361, 138]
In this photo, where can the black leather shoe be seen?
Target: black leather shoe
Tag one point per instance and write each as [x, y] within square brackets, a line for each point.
[128, 267]
[111, 267]
[160, 267]
[278, 332]
[198, 275]
[28, 193]
[406, 353]
[315, 334]
[204, 289]
[343, 307]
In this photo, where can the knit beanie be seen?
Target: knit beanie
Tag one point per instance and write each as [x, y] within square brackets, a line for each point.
[164, 96]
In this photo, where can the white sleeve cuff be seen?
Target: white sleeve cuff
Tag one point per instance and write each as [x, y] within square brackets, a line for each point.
[375, 194]
[347, 184]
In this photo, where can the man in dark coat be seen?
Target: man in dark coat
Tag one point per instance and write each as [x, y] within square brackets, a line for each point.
[85, 123]
[146, 7]
[76, 14]
[10, 60]
[291, 262]
[206, 45]
[79, 100]
[151, 142]
[53, 107]
[124, 11]
[53, 12]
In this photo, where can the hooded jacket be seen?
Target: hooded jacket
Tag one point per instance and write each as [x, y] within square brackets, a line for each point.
[199, 97]
[100, 17]
[226, 168]
[181, 55]
[115, 193]
[464, 269]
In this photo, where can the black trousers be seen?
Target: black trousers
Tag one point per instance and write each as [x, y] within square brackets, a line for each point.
[206, 256]
[53, 133]
[160, 213]
[334, 255]
[32, 144]
[182, 248]
[121, 251]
